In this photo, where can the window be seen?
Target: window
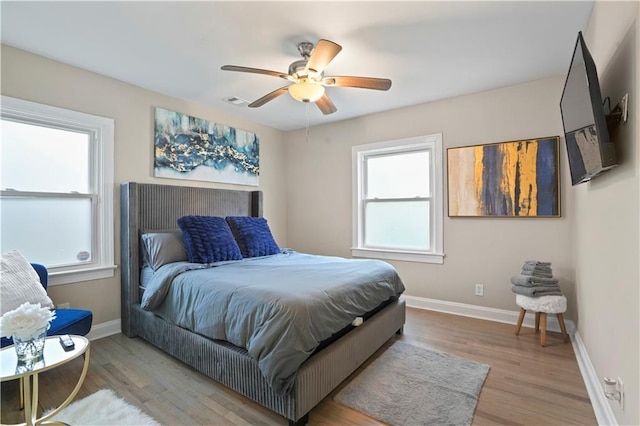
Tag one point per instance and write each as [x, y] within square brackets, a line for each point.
[56, 204]
[397, 200]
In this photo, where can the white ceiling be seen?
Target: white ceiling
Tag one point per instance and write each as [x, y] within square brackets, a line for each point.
[430, 50]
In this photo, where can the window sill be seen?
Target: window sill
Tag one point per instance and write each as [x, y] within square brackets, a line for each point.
[67, 277]
[407, 256]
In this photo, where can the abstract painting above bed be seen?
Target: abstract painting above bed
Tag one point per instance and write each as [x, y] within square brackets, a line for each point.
[279, 307]
[191, 148]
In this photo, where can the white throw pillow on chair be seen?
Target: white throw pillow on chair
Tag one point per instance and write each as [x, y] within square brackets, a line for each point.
[19, 283]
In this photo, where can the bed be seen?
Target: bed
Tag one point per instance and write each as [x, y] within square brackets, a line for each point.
[151, 207]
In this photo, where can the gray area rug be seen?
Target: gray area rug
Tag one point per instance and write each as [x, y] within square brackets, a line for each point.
[412, 385]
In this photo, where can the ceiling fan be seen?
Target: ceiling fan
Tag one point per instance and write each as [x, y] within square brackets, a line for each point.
[308, 80]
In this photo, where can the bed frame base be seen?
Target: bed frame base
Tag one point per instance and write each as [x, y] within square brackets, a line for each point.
[234, 368]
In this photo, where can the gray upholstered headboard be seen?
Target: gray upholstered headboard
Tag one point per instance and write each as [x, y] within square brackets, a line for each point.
[147, 207]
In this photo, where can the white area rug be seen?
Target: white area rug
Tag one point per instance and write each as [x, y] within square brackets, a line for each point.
[103, 408]
[412, 385]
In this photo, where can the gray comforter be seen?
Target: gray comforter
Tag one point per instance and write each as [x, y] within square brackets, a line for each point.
[279, 308]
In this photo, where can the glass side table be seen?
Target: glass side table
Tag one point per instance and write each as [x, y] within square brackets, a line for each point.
[54, 356]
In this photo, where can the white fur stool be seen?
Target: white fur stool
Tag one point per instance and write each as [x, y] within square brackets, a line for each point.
[542, 305]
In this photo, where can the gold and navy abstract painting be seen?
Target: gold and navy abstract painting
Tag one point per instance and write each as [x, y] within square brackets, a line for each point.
[512, 179]
[192, 148]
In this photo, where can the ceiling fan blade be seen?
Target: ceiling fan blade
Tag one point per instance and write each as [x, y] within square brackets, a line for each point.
[361, 82]
[326, 106]
[255, 71]
[322, 54]
[269, 97]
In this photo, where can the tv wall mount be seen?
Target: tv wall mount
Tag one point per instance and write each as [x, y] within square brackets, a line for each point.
[619, 112]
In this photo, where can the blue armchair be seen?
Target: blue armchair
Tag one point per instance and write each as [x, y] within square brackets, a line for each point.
[67, 321]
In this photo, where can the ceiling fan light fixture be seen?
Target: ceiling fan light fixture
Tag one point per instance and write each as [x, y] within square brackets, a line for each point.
[308, 80]
[305, 91]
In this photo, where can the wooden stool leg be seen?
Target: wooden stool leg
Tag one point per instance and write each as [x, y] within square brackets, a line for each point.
[537, 321]
[543, 326]
[520, 319]
[565, 337]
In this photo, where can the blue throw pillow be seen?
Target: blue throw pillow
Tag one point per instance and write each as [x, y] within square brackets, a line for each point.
[208, 239]
[253, 236]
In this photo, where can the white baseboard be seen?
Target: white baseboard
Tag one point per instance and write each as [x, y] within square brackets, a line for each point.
[482, 312]
[602, 409]
[104, 329]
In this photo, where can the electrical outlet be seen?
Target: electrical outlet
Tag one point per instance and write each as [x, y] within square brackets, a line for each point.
[614, 390]
[479, 290]
[620, 388]
[64, 306]
[625, 107]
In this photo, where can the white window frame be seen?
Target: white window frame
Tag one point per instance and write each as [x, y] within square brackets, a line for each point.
[359, 153]
[101, 131]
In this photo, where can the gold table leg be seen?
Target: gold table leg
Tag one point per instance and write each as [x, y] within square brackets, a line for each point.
[21, 392]
[30, 397]
[26, 387]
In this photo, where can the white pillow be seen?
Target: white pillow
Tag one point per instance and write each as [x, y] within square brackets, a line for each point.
[19, 283]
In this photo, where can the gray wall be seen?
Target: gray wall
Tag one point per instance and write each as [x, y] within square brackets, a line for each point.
[478, 250]
[606, 217]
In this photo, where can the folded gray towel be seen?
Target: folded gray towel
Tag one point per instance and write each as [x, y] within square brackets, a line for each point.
[537, 262]
[537, 274]
[529, 281]
[527, 267]
[536, 291]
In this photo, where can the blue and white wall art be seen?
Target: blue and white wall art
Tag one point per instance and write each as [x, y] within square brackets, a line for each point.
[192, 148]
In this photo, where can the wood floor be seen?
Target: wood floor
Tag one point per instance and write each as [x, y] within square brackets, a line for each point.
[527, 384]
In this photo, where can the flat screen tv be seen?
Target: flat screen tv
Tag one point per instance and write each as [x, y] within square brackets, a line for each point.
[589, 148]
